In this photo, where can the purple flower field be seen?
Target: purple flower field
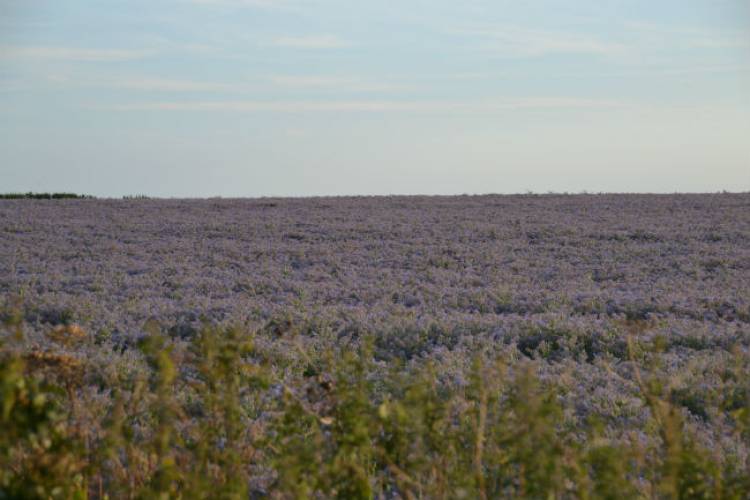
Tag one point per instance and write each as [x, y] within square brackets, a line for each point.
[496, 261]
[559, 281]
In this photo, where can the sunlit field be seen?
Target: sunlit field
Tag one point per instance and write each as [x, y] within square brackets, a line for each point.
[527, 346]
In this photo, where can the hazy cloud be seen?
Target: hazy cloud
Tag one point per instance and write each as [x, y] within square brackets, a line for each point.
[354, 84]
[512, 41]
[310, 42]
[70, 53]
[172, 85]
[273, 4]
[374, 105]
[686, 37]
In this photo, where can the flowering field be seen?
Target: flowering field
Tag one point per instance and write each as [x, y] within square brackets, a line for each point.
[392, 347]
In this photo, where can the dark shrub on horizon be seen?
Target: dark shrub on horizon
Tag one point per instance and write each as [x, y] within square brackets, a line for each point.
[43, 196]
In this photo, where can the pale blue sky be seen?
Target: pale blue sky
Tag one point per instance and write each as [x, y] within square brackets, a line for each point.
[296, 97]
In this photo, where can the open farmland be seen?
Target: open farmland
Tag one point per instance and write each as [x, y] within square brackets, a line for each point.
[618, 306]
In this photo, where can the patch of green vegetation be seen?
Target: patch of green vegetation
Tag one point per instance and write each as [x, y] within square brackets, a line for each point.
[215, 417]
[695, 401]
[554, 342]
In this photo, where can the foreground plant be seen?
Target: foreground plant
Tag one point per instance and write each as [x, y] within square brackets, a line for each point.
[217, 418]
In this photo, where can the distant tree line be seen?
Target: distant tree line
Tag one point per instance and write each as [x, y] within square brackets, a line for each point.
[42, 196]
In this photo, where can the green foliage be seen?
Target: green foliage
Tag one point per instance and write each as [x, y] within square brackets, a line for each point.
[38, 456]
[325, 437]
[223, 380]
[216, 417]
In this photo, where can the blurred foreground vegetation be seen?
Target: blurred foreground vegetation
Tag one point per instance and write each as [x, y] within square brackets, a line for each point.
[221, 417]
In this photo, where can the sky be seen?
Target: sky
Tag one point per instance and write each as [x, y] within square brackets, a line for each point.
[236, 98]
